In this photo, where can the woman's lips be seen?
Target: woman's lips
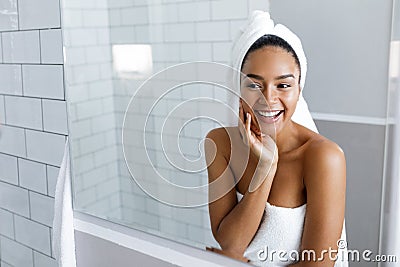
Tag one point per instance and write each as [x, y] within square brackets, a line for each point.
[269, 116]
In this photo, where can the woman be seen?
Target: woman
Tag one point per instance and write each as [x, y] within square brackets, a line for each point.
[290, 195]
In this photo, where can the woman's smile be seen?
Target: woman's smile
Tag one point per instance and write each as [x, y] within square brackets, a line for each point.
[266, 116]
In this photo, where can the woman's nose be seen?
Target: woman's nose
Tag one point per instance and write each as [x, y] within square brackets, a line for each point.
[269, 96]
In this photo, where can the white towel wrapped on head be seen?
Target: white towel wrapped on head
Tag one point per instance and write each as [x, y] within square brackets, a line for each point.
[258, 25]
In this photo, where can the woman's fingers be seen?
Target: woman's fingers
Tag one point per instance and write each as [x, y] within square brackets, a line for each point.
[251, 136]
[248, 122]
[241, 122]
[241, 116]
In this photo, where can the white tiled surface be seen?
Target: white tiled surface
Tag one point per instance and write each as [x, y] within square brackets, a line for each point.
[12, 141]
[41, 208]
[1, 50]
[32, 234]
[21, 47]
[11, 79]
[235, 11]
[194, 11]
[55, 116]
[6, 223]
[14, 199]
[32, 175]
[43, 260]
[24, 112]
[43, 81]
[52, 174]
[9, 169]
[33, 119]
[45, 147]
[9, 15]
[213, 31]
[179, 32]
[39, 14]
[221, 51]
[136, 15]
[51, 49]
[95, 17]
[2, 110]
[14, 253]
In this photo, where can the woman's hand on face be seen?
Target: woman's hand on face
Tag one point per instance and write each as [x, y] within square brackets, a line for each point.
[261, 145]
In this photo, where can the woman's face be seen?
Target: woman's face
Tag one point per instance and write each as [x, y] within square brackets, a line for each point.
[270, 88]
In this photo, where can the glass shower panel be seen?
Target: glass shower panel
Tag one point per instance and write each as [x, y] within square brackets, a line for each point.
[111, 48]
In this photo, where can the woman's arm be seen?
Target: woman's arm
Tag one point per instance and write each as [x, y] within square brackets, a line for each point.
[325, 182]
[233, 224]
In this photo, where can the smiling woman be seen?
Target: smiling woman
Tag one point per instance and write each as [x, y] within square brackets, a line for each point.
[290, 196]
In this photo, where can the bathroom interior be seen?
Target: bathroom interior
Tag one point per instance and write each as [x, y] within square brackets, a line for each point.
[75, 71]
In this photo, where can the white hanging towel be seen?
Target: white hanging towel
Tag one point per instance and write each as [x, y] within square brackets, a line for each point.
[63, 222]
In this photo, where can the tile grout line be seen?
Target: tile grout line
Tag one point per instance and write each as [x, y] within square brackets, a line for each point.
[4, 109]
[11, 155]
[42, 111]
[47, 180]
[2, 48]
[26, 246]
[37, 97]
[22, 216]
[40, 47]
[19, 24]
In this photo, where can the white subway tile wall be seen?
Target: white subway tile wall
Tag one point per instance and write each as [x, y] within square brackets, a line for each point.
[21, 47]
[32, 175]
[33, 127]
[31, 14]
[11, 79]
[9, 169]
[55, 116]
[43, 81]
[12, 141]
[33, 109]
[178, 31]
[1, 50]
[14, 253]
[51, 46]
[9, 16]
[24, 112]
[91, 107]
[6, 223]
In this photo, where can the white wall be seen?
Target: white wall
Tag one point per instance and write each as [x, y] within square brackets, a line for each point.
[348, 51]
[33, 128]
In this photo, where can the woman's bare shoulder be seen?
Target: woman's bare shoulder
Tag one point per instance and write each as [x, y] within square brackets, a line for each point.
[320, 146]
[323, 157]
[317, 144]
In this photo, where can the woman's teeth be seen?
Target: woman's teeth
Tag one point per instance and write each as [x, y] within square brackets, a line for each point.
[268, 113]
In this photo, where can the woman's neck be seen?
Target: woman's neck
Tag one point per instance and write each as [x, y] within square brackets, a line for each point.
[288, 138]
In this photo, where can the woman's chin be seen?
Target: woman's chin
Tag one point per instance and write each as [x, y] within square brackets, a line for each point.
[269, 125]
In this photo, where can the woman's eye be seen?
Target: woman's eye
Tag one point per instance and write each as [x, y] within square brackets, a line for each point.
[284, 85]
[254, 86]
